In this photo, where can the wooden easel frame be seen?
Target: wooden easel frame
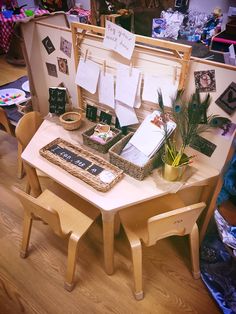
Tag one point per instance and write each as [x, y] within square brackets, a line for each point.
[160, 48]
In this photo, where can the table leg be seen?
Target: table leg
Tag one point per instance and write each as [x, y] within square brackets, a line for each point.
[108, 241]
[33, 180]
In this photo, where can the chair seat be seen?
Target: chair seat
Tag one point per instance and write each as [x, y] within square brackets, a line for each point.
[70, 217]
[138, 226]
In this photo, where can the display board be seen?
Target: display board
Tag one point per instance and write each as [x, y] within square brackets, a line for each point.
[161, 58]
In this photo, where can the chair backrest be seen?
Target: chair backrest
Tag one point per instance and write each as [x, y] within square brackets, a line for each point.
[5, 122]
[27, 126]
[33, 207]
[176, 222]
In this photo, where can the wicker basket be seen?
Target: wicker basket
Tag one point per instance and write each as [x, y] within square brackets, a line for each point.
[102, 148]
[131, 169]
[71, 120]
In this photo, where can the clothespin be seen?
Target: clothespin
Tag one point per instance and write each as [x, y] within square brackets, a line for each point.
[104, 67]
[130, 68]
[175, 75]
[86, 55]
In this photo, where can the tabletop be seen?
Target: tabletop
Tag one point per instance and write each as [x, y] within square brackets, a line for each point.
[125, 193]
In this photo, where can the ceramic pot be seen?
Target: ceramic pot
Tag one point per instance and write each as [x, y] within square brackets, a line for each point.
[171, 173]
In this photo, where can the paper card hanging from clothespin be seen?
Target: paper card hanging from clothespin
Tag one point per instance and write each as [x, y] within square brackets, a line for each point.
[126, 84]
[87, 75]
[119, 40]
[106, 88]
[125, 114]
[153, 83]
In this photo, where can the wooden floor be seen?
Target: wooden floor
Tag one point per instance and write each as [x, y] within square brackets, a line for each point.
[35, 284]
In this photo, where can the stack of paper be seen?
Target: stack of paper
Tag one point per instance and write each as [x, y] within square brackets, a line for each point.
[148, 138]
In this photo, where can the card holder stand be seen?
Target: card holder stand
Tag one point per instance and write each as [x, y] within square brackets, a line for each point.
[101, 148]
[135, 171]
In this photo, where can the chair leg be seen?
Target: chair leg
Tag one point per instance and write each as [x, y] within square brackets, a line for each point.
[71, 261]
[27, 224]
[20, 171]
[194, 248]
[137, 269]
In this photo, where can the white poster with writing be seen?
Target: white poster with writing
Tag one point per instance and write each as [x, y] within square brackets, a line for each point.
[119, 40]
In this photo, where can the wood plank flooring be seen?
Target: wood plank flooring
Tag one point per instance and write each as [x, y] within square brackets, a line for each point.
[35, 284]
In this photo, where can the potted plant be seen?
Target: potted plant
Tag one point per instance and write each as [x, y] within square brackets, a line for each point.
[191, 120]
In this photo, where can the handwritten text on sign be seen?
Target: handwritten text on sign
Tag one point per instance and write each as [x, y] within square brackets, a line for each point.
[119, 40]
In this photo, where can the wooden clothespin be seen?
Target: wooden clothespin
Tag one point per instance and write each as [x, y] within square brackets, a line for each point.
[130, 68]
[86, 55]
[175, 75]
[104, 67]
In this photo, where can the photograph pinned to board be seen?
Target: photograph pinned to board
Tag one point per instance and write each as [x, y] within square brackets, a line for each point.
[119, 39]
[127, 79]
[62, 65]
[153, 83]
[48, 45]
[87, 75]
[52, 69]
[205, 81]
[66, 47]
[57, 100]
[106, 89]
[227, 100]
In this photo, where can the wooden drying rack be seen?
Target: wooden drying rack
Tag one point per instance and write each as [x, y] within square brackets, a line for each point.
[86, 36]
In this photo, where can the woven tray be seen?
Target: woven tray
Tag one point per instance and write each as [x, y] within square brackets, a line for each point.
[92, 169]
[131, 169]
[102, 148]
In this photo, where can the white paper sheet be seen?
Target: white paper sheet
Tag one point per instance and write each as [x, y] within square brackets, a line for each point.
[138, 100]
[149, 137]
[119, 40]
[87, 75]
[127, 81]
[106, 89]
[125, 114]
[154, 83]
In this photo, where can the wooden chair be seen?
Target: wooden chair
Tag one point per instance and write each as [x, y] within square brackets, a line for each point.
[65, 220]
[25, 129]
[5, 122]
[148, 227]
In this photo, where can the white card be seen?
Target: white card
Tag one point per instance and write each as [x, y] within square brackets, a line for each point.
[119, 40]
[150, 135]
[231, 51]
[127, 81]
[87, 75]
[154, 83]
[106, 89]
[125, 114]
[138, 101]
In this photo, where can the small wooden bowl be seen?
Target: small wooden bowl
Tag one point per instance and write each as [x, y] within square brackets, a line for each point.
[70, 120]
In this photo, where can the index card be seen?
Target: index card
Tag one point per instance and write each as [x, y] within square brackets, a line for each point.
[87, 75]
[125, 114]
[153, 83]
[150, 135]
[119, 40]
[127, 81]
[106, 90]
